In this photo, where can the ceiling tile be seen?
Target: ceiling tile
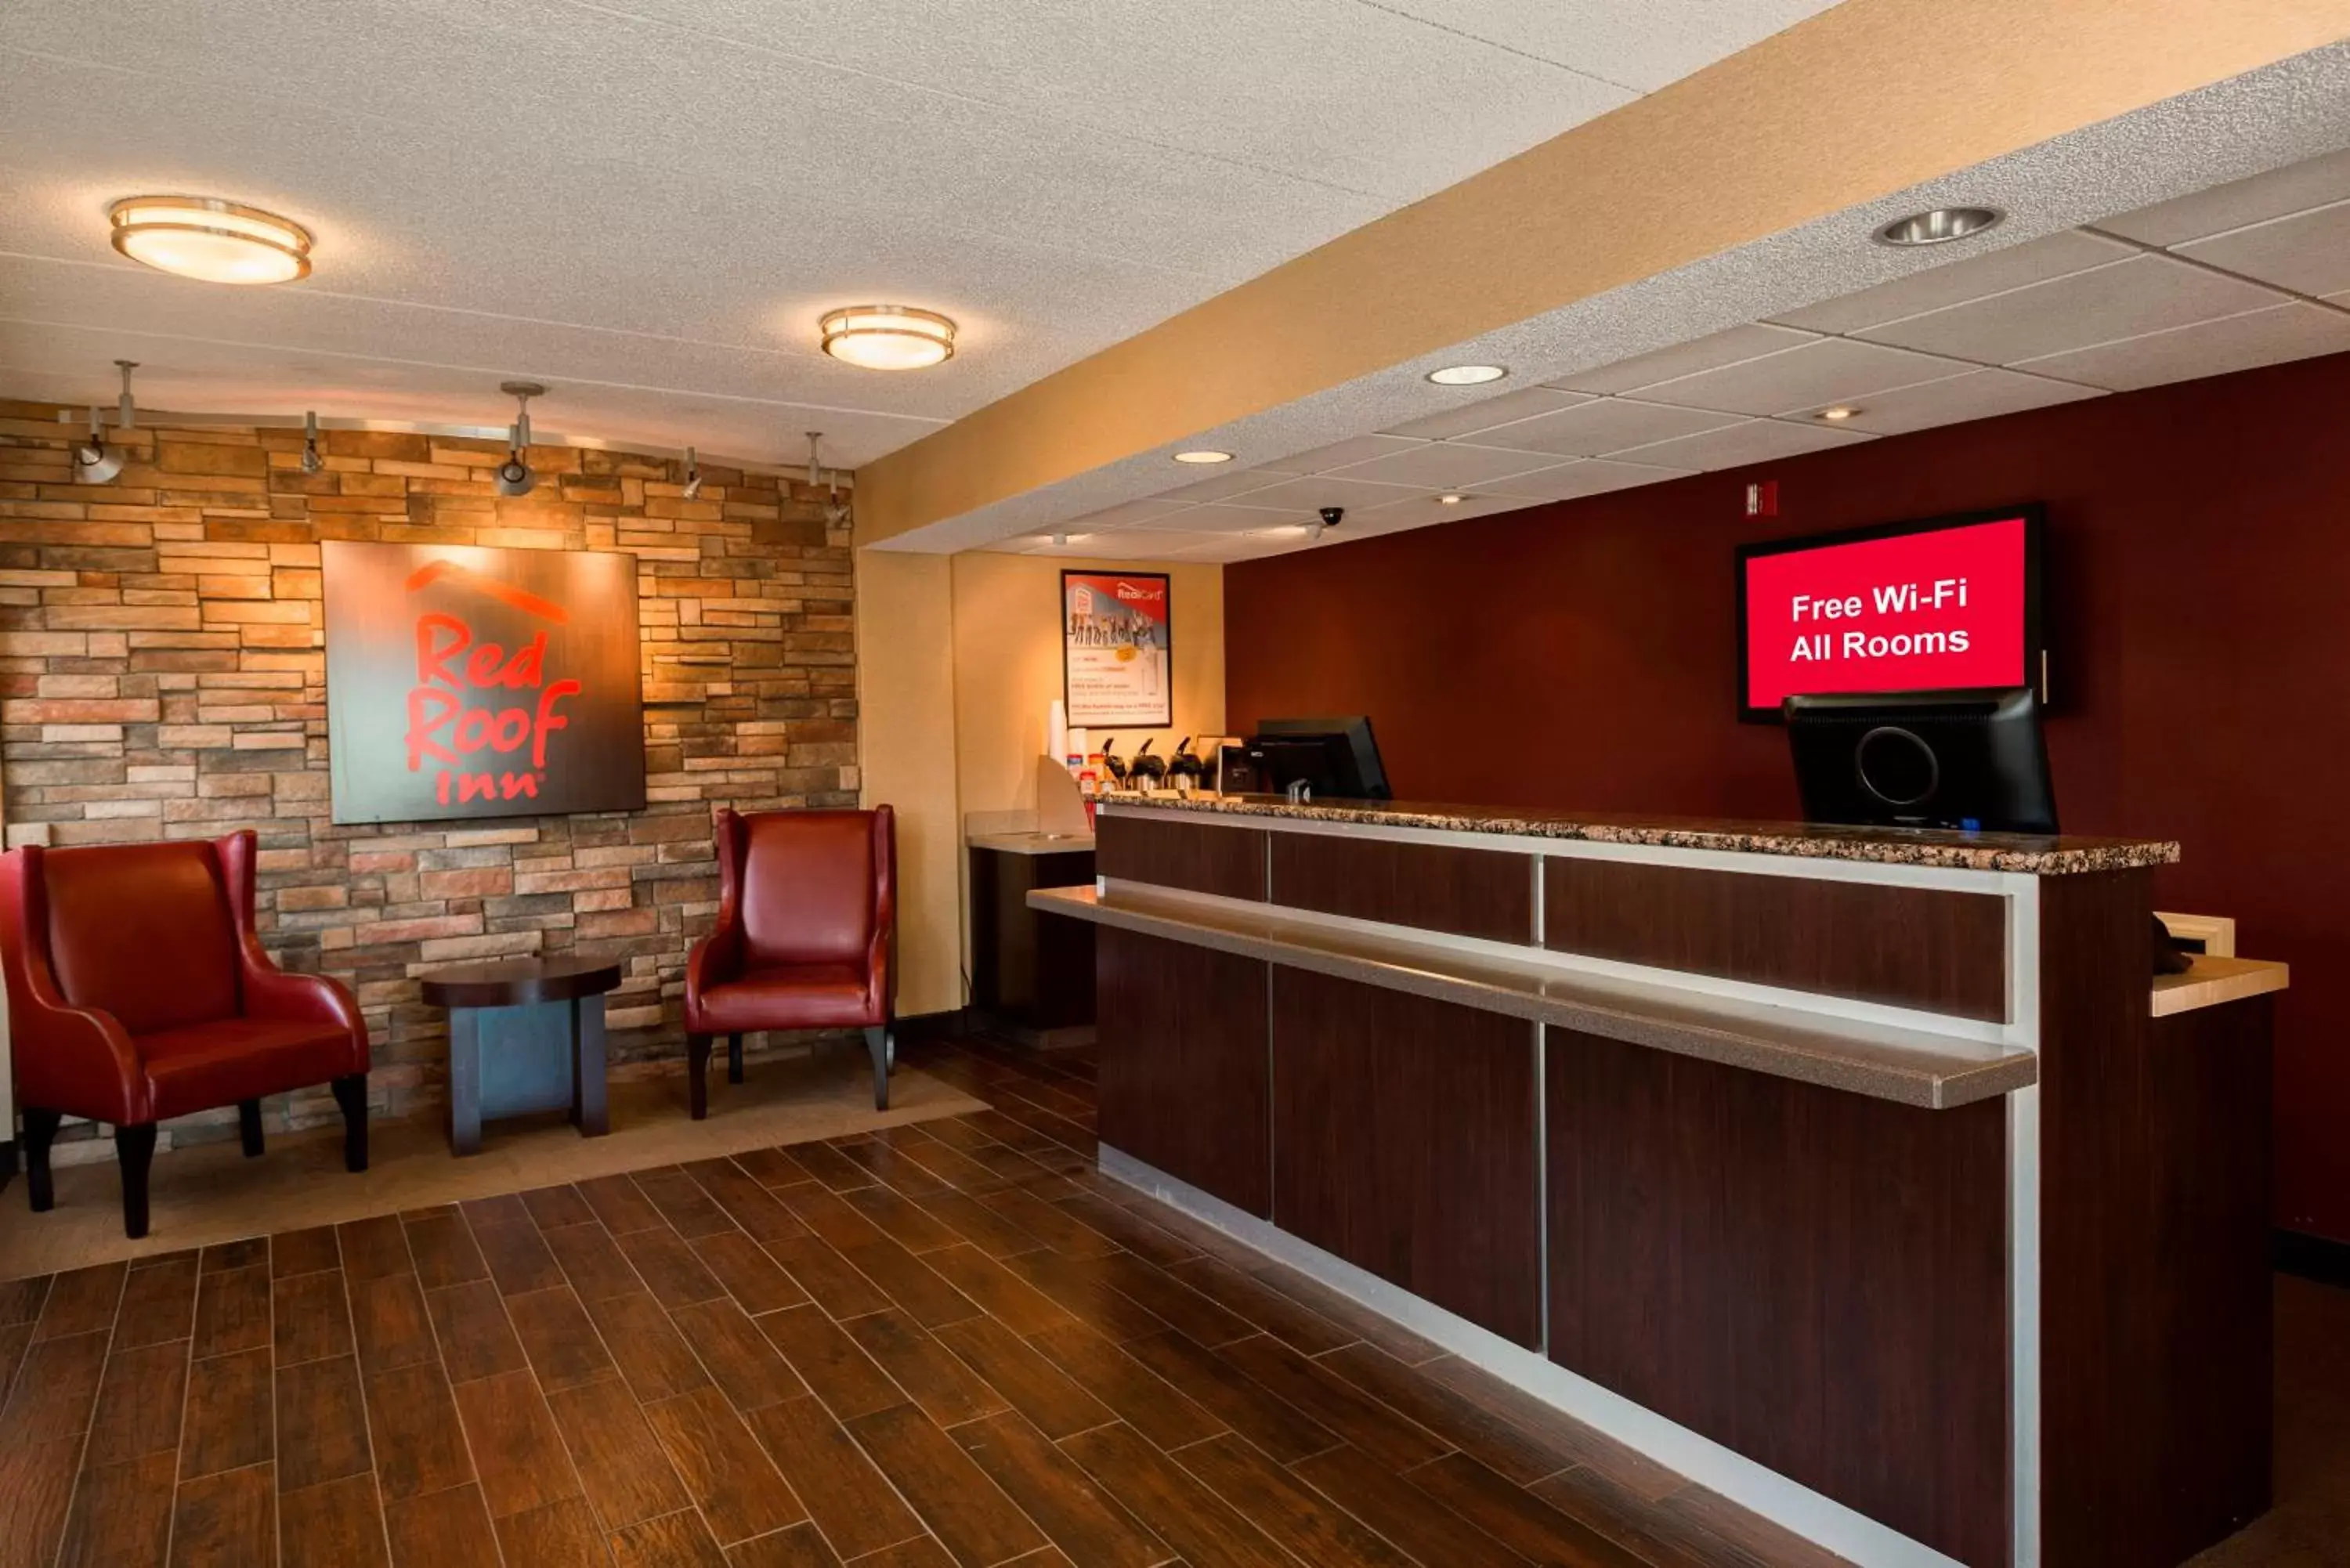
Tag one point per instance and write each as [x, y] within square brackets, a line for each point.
[1110, 543]
[2104, 305]
[2313, 182]
[1523, 404]
[2308, 252]
[1323, 459]
[1231, 547]
[1831, 370]
[1646, 45]
[1606, 425]
[2293, 331]
[1224, 483]
[1748, 342]
[1331, 490]
[1960, 278]
[1424, 510]
[1593, 476]
[1450, 466]
[1756, 441]
[1976, 395]
[1131, 514]
[1220, 516]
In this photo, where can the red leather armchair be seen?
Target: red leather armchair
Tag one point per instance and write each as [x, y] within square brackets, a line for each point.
[138, 991]
[807, 904]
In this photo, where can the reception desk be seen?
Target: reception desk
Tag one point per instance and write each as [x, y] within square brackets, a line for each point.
[1866, 1178]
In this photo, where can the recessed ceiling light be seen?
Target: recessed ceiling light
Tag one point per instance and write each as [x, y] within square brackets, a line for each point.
[1203, 455]
[887, 336]
[1452, 498]
[1940, 226]
[1467, 375]
[210, 240]
[1840, 413]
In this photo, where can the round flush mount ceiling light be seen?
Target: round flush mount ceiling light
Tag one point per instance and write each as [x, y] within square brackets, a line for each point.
[1939, 227]
[1467, 375]
[887, 336]
[211, 240]
[1203, 455]
[1450, 498]
[1838, 414]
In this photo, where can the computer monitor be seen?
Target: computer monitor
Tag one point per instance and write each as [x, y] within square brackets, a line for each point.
[1336, 758]
[1972, 760]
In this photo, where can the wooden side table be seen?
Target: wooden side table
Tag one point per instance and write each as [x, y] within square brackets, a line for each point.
[525, 1034]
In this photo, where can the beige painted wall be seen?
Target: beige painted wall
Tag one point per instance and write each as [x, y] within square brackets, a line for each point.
[1008, 667]
[958, 659]
[905, 696]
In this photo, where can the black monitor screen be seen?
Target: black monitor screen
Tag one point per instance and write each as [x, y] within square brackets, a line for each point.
[1968, 760]
[1336, 758]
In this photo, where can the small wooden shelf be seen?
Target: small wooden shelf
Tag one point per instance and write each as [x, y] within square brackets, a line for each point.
[2213, 980]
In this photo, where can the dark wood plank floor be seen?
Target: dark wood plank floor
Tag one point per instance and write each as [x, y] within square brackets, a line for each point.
[951, 1344]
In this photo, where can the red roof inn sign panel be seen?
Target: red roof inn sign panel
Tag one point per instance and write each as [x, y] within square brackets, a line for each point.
[464, 683]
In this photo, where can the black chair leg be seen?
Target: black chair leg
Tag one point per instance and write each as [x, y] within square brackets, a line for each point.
[40, 1131]
[734, 1058]
[877, 1040]
[134, 1147]
[350, 1094]
[248, 1123]
[697, 1072]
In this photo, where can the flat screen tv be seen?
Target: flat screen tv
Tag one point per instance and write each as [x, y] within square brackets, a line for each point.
[1942, 604]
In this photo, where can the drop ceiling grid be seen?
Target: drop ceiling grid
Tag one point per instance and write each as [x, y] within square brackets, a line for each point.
[1895, 353]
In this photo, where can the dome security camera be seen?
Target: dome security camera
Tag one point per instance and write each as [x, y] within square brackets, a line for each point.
[1330, 519]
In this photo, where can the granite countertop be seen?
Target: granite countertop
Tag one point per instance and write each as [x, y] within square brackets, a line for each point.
[2028, 854]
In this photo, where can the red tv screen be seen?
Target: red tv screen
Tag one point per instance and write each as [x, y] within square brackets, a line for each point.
[1915, 607]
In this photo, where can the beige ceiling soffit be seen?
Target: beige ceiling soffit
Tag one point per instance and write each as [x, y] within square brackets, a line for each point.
[1866, 100]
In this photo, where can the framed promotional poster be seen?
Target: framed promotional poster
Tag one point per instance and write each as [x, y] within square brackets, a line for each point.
[1118, 665]
[466, 682]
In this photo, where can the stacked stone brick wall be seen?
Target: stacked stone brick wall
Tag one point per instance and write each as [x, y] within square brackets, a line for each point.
[162, 675]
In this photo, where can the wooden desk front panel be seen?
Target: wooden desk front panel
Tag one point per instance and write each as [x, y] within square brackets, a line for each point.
[1931, 948]
[2154, 1234]
[1404, 1142]
[1486, 893]
[1815, 1279]
[1196, 857]
[1183, 1082]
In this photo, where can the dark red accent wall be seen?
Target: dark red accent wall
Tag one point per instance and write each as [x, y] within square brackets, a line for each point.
[1583, 655]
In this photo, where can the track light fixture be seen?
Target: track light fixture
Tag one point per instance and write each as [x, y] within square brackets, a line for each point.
[514, 476]
[835, 510]
[692, 475]
[94, 462]
[311, 462]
